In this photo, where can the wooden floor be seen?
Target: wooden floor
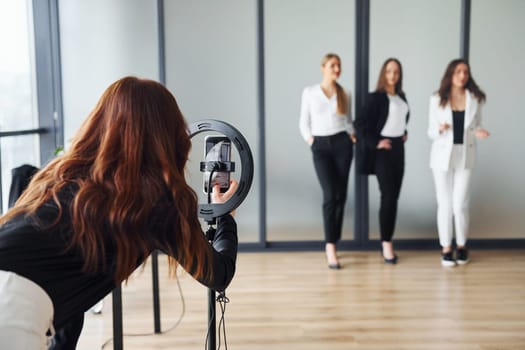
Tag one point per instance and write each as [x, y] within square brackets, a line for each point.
[293, 301]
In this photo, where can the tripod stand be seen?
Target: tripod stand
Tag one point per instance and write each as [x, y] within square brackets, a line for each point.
[209, 211]
[212, 327]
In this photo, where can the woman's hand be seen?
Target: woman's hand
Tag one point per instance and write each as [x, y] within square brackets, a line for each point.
[218, 198]
[482, 133]
[310, 140]
[443, 127]
[385, 144]
[353, 138]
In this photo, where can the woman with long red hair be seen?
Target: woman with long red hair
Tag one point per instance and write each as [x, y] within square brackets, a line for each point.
[93, 215]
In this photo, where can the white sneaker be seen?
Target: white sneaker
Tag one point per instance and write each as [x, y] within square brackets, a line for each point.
[447, 259]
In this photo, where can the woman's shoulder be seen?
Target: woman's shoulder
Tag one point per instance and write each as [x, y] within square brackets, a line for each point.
[435, 99]
[377, 96]
[472, 96]
[311, 88]
[311, 93]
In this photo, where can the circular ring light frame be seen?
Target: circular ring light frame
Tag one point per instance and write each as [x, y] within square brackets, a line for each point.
[211, 211]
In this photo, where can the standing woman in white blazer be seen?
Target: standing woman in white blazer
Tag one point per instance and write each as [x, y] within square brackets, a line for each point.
[454, 126]
[326, 125]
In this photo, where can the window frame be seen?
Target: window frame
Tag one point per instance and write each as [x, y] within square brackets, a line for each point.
[48, 83]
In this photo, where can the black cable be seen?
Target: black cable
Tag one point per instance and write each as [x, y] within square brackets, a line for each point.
[222, 299]
[174, 326]
[215, 167]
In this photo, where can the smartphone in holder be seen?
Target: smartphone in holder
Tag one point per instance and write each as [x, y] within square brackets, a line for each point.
[217, 149]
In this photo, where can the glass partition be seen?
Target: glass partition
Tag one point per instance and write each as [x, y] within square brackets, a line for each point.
[211, 67]
[297, 34]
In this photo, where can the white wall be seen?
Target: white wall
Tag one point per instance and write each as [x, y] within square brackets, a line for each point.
[497, 54]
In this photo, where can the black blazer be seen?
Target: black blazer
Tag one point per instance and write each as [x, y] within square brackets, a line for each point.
[368, 127]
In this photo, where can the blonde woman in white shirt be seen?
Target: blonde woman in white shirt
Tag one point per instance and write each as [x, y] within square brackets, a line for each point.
[326, 125]
[454, 126]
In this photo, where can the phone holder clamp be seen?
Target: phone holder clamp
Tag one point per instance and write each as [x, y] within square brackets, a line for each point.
[217, 166]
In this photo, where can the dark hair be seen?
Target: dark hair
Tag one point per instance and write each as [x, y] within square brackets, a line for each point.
[446, 83]
[381, 80]
[131, 149]
[342, 99]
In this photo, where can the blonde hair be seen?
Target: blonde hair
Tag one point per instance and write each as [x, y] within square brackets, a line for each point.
[342, 100]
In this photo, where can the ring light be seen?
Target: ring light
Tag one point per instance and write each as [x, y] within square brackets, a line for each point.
[209, 211]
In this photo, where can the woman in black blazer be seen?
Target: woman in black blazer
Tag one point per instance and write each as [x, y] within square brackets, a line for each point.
[381, 133]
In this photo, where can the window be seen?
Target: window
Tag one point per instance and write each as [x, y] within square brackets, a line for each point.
[18, 107]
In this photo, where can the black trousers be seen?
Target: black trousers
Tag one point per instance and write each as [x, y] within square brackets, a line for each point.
[66, 337]
[389, 169]
[332, 157]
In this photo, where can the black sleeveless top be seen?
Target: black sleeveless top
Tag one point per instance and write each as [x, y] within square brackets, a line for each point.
[458, 119]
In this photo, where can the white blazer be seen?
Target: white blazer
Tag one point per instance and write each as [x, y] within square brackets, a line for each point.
[442, 144]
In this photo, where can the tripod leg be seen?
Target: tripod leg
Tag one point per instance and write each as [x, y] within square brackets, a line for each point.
[211, 320]
[156, 297]
[117, 318]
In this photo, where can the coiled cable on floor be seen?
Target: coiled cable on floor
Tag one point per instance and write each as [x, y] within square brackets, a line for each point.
[170, 329]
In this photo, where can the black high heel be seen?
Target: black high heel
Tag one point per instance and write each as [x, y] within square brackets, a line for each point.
[392, 261]
[336, 266]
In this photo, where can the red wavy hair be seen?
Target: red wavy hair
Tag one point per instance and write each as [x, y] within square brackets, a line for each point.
[132, 146]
